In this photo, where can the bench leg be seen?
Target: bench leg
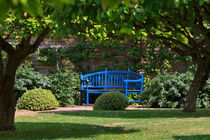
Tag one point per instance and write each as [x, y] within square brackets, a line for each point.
[87, 98]
[126, 91]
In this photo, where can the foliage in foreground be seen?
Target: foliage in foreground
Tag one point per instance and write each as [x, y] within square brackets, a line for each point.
[111, 101]
[65, 86]
[37, 100]
[170, 90]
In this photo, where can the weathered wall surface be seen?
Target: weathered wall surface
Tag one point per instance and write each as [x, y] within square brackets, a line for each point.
[119, 60]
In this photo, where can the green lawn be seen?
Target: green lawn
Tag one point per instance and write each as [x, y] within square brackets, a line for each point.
[123, 125]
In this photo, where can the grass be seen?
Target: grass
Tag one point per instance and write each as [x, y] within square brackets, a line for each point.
[105, 125]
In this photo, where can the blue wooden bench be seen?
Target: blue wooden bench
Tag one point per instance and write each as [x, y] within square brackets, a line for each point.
[105, 81]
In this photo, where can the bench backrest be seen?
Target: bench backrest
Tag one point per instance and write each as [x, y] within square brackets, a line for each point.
[110, 79]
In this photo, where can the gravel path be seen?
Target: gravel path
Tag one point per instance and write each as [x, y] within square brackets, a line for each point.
[77, 109]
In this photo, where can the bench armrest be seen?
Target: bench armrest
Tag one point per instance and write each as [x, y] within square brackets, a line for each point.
[132, 81]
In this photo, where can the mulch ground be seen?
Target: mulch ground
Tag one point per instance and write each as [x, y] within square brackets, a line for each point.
[77, 109]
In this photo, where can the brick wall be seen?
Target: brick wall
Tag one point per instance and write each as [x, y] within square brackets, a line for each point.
[89, 64]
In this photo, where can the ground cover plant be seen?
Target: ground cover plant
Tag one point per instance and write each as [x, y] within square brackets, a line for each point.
[123, 125]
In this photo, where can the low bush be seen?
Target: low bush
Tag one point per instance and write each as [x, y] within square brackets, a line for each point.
[170, 90]
[37, 100]
[65, 86]
[111, 101]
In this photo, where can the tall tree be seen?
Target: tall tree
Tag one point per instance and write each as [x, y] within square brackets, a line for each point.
[28, 22]
[182, 25]
[23, 30]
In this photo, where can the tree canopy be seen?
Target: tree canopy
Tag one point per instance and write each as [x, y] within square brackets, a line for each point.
[182, 25]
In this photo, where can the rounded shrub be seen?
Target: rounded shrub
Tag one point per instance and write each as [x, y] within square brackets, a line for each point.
[37, 100]
[111, 101]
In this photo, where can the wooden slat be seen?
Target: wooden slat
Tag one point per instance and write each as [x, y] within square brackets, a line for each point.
[111, 80]
[122, 78]
[99, 80]
[93, 80]
[117, 80]
[102, 81]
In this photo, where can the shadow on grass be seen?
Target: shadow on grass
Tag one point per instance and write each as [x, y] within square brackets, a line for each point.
[40, 130]
[139, 114]
[192, 137]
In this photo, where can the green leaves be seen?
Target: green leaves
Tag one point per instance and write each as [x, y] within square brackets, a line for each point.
[111, 101]
[37, 100]
[65, 86]
[110, 3]
[27, 78]
[126, 30]
[32, 7]
[177, 2]
[170, 90]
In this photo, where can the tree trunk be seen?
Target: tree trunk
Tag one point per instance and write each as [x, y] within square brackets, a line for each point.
[201, 76]
[7, 76]
[7, 105]
[7, 97]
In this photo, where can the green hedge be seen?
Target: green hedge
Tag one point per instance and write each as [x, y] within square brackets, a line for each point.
[37, 100]
[111, 101]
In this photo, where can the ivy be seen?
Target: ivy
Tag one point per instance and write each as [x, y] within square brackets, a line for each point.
[150, 56]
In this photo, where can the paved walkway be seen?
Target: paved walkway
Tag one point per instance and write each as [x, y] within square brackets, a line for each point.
[77, 109]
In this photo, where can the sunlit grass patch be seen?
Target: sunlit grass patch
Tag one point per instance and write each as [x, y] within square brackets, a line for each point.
[123, 125]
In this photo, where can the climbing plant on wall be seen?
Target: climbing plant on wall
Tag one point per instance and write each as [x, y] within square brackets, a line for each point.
[146, 55]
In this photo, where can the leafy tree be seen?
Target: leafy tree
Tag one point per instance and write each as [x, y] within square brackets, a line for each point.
[181, 25]
[22, 29]
[28, 22]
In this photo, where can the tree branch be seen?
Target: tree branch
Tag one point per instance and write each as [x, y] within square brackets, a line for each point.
[5, 46]
[206, 11]
[175, 49]
[24, 44]
[185, 47]
[7, 37]
[39, 39]
[1, 65]
[185, 33]
[199, 18]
